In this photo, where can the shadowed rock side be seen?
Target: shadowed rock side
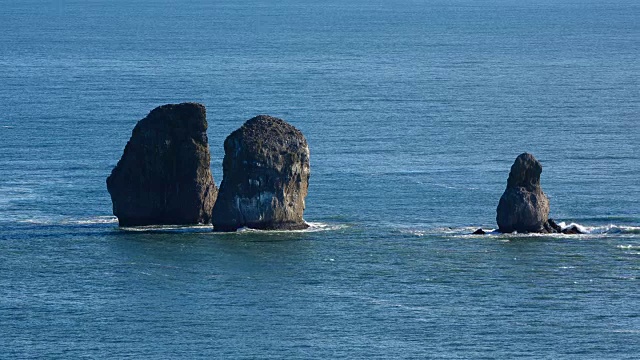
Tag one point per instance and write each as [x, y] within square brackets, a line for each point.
[164, 175]
[523, 206]
[265, 177]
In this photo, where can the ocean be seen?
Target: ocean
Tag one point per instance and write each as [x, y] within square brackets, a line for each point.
[414, 112]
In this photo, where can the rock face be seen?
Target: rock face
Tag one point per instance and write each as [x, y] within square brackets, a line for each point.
[265, 177]
[523, 206]
[164, 175]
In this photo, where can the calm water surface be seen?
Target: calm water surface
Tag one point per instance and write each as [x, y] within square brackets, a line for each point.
[414, 112]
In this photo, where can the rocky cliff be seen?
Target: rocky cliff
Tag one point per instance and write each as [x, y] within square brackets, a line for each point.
[265, 177]
[523, 206]
[164, 175]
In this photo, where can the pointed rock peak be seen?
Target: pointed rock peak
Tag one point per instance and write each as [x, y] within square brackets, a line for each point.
[523, 206]
[525, 172]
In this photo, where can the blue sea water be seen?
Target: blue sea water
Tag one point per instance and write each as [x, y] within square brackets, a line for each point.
[414, 112]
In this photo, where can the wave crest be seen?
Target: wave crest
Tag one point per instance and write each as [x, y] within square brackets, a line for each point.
[467, 231]
[168, 228]
[313, 227]
[70, 221]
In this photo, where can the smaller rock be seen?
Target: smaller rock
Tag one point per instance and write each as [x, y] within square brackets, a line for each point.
[572, 230]
[552, 227]
[265, 177]
[479, 232]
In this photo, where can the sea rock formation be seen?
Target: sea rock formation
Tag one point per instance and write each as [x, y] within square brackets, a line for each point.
[572, 230]
[523, 206]
[265, 177]
[552, 226]
[164, 175]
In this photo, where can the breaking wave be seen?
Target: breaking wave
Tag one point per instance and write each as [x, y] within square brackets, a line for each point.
[69, 221]
[94, 220]
[168, 228]
[313, 227]
[467, 231]
[112, 220]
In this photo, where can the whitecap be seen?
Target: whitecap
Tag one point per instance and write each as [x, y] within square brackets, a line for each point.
[168, 228]
[319, 226]
[454, 231]
[629, 247]
[577, 226]
[610, 229]
[93, 220]
[313, 227]
[59, 220]
[585, 231]
[419, 233]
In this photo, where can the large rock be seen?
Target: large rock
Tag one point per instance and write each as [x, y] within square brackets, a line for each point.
[523, 206]
[164, 175]
[265, 177]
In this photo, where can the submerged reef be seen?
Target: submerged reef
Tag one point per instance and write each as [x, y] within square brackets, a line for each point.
[265, 177]
[164, 175]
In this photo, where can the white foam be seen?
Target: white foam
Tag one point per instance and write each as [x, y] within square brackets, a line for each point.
[629, 247]
[609, 229]
[586, 231]
[590, 230]
[614, 229]
[94, 220]
[168, 228]
[318, 226]
[313, 227]
[419, 233]
[58, 220]
[579, 227]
